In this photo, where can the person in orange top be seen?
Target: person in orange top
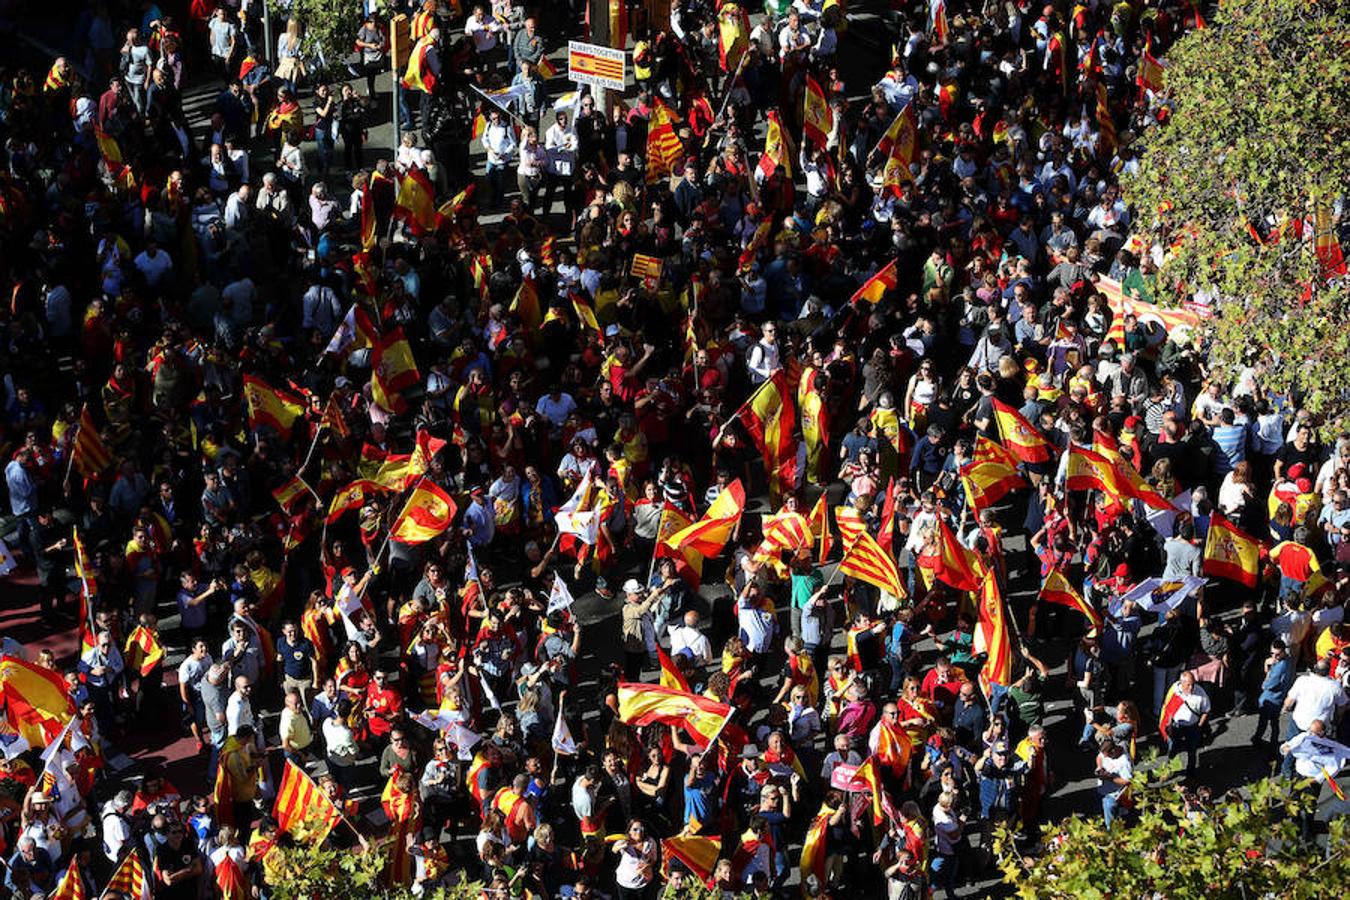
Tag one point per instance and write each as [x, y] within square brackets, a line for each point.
[384, 705]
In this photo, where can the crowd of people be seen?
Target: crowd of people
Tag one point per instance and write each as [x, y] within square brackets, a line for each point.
[360, 428]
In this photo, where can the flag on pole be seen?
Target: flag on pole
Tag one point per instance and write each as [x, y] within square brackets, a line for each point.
[867, 774]
[688, 561]
[415, 202]
[559, 597]
[71, 886]
[817, 117]
[1020, 436]
[562, 739]
[664, 150]
[1331, 783]
[355, 332]
[992, 637]
[671, 676]
[1230, 552]
[393, 370]
[778, 150]
[1059, 590]
[289, 494]
[351, 497]
[1151, 73]
[710, 534]
[898, 146]
[129, 880]
[990, 475]
[733, 35]
[302, 808]
[699, 717]
[880, 284]
[770, 417]
[428, 512]
[937, 21]
[89, 454]
[270, 407]
[820, 526]
[37, 700]
[866, 561]
[576, 517]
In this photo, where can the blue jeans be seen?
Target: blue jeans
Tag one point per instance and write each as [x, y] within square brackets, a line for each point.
[1110, 803]
[1291, 731]
[1268, 713]
[323, 137]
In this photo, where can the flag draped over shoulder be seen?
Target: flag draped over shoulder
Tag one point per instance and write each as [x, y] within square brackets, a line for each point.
[268, 406]
[37, 700]
[302, 809]
[1059, 590]
[1230, 552]
[428, 512]
[699, 717]
[710, 534]
[1020, 436]
[393, 370]
[770, 416]
[89, 454]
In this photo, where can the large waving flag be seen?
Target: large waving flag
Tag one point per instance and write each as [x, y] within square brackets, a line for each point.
[902, 142]
[664, 150]
[578, 517]
[876, 287]
[71, 886]
[1230, 552]
[129, 880]
[230, 880]
[393, 370]
[710, 534]
[951, 563]
[851, 525]
[696, 853]
[993, 637]
[1088, 470]
[302, 808]
[276, 409]
[778, 149]
[817, 117]
[37, 700]
[415, 202]
[1121, 306]
[785, 531]
[813, 846]
[700, 718]
[771, 417]
[688, 561]
[866, 561]
[351, 497]
[990, 475]
[894, 747]
[428, 512]
[89, 455]
[867, 774]
[143, 651]
[1059, 590]
[1020, 436]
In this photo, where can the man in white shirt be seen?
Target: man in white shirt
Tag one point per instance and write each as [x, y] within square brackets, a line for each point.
[154, 264]
[116, 825]
[1314, 696]
[755, 622]
[687, 639]
[1188, 719]
[482, 30]
[763, 357]
[239, 709]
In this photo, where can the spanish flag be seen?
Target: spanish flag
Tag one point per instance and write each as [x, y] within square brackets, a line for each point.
[778, 150]
[770, 418]
[894, 748]
[415, 202]
[671, 676]
[445, 215]
[111, 152]
[428, 512]
[1058, 589]
[696, 853]
[302, 809]
[288, 117]
[813, 846]
[710, 534]
[369, 220]
[901, 141]
[937, 21]
[1171, 705]
[953, 564]
[289, 494]
[700, 718]
[545, 68]
[585, 315]
[990, 475]
[37, 700]
[992, 637]
[733, 35]
[89, 455]
[1230, 552]
[351, 497]
[72, 883]
[878, 286]
[1151, 72]
[688, 561]
[1087, 470]
[817, 117]
[1331, 783]
[1329, 254]
[866, 561]
[820, 526]
[418, 76]
[143, 651]
[392, 371]
[267, 406]
[1019, 436]
[867, 774]
[129, 880]
[526, 305]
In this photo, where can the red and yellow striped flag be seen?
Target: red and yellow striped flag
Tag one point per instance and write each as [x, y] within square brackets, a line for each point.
[688, 561]
[778, 150]
[89, 455]
[129, 880]
[851, 525]
[820, 526]
[696, 853]
[770, 417]
[72, 883]
[671, 676]
[993, 637]
[428, 512]
[393, 370]
[710, 534]
[271, 407]
[1230, 552]
[866, 561]
[1331, 783]
[302, 809]
[37, 700]
[990, 475]
[664, 150]
[143, 651]
[289, 494]
[817, 117]
[699, 717]
[1057, 589]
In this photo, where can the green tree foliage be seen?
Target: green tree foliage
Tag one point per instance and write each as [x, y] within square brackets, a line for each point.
[330, 28]
[1244, 846]
[318, 873]
[1259, 133]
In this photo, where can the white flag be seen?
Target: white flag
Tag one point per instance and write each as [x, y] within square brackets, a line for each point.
[1158, 596]
[436, 720]
[559, 597]
[576, 517]
[345, 335]
[13, 744]
[490, 694]
[562, 737]
[463, 739]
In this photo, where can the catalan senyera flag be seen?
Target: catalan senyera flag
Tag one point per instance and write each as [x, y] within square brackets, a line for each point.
[1020, 436]
[851, 525]
[1106, 126]
[334, 419]
[351, 497]
[953, 564]
[290, 493]
[813, 845]
[990, 475]
[129, 880]
[302, 809]
[415, 202]
[37, 700]
[230, 881]
[276, 409]
[428, 512]
[876, 287]
[784, 531]
[778, 149]
[699, 717]
[894, 747]
[867, 774]
[671, 676]
[817, 117]
[393, 370]
[1230, 552]
[664, 150]
[770, 416]
[993, 637]
[696, 853]
[89, 455]
[820, 526]
[866, 561]
[143, 651]
[710, 534]
[1059, 590]
[1121, 306]
[937, 21]
[72, 883]
[733, 35]
[688, 561]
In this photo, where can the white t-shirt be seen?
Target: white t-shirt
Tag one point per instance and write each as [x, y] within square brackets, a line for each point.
[1120, 767]
[1312, 754]
[556, 411]
[1314, 697]
[1193, 706]
[116, 832]
[630, 873]
[946, 830]
[685, 639]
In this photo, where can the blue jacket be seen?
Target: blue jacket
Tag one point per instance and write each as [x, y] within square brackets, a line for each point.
[1277, 683]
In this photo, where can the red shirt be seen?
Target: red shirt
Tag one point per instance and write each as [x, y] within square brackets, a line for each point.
[382, 707]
